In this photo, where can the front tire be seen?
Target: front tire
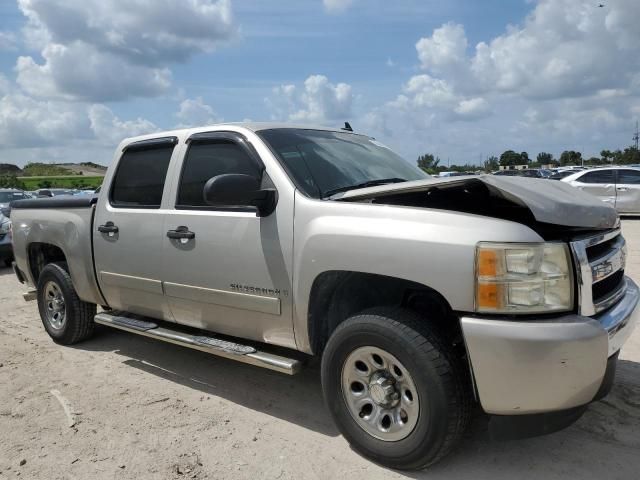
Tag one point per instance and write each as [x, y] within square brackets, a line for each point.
[65, 317]
[398, 393]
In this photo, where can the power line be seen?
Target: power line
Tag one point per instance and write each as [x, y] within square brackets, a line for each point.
[636, 136]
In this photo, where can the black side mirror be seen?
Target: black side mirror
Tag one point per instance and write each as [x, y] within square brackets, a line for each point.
[238, 190]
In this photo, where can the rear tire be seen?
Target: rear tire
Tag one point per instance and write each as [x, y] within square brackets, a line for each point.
[65, 317]
[397, 391]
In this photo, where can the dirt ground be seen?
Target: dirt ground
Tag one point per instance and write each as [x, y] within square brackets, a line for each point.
[147, 410]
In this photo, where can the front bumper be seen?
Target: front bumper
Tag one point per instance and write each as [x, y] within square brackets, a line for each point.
[523, 367]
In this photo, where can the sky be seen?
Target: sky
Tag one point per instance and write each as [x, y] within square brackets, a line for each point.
[460, 79]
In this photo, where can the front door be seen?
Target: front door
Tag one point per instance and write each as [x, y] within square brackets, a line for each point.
[230, 276]
[128, 231]
[600, 183]
[628, 191]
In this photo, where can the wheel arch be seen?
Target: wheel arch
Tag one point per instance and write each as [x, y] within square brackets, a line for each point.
[338, 294]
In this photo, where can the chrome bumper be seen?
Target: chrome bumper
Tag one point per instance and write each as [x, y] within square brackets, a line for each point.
[535, 366]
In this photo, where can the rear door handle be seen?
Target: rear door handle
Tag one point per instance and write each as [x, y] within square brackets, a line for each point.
[181, 233]
[109, 228]
[622, 189]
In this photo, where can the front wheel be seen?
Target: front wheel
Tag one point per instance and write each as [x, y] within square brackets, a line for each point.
[65, 317]
[396, 390]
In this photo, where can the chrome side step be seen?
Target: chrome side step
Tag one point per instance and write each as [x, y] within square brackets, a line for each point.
[212, 345]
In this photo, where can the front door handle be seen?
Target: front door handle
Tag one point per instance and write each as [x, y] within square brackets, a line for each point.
[622, 189]
[109, 228]
[181, 233]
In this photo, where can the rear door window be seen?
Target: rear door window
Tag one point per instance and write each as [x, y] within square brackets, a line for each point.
[598, 176]
[139, 180]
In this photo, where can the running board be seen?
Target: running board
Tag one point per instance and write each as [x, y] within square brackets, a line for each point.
[212, 345]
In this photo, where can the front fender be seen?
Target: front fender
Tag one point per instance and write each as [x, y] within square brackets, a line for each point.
[434, 248]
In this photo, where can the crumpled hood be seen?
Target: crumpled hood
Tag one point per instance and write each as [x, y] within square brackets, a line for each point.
[549, 201]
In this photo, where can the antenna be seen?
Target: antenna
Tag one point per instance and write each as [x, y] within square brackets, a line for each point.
[636, 137]
[347, 127]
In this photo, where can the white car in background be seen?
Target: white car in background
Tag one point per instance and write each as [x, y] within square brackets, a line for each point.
[618, 186]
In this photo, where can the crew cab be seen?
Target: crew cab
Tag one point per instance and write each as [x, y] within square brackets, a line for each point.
[270, 244]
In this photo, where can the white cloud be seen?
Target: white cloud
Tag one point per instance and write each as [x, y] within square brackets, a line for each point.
[318, 101]
[337, 6]
[25, 122]
[96, 50]
[567, 77]
[194, 113]
[78, 72]
[109, 129]
[444, 50]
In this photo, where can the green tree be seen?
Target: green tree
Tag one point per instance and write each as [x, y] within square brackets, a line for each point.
[631, 155]
[544, 158]
[510, 158]
[44, 184]
[11, 181]
[606, 155]
[570, 157]
[524, 158]
[428, 162]
[491, 164]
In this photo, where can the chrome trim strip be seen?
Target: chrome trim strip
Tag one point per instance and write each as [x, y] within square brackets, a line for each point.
[278, 363]
[620, 320]
[148, 285]
[610, 262]
[588, 273]
[244, 301]
[613, 297]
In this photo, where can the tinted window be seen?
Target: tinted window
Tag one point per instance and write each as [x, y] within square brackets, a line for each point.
[629, 176]
[207, 160]
[139, 180]
[321, 161]
[598, 176]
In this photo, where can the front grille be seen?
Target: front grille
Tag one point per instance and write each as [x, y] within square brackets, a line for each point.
[600, 262]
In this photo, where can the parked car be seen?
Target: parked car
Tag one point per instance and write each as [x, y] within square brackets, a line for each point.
[618, 186]
[6, 250]
[8, 195]
[525, 172]
[269, 245]
[559, 175]
[53, 192]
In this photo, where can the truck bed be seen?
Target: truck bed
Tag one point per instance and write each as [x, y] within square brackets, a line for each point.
[65, 223]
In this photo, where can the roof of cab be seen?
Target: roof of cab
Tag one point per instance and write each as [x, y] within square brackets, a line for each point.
[251, 126]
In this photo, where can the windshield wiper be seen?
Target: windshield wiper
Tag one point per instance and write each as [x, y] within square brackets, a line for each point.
[370, 183]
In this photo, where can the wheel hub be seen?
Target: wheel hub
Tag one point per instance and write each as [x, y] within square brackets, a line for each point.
[383, 390]
[55, 310]
[380, 394]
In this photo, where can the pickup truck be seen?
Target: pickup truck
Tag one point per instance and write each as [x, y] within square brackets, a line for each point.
[423, 298]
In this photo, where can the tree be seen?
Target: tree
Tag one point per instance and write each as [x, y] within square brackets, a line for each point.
[570, 157]
[524, 158]
[428, 162]
[606, 155]
[491, 164]
[510, 158]
[545, 158]
[11, 181]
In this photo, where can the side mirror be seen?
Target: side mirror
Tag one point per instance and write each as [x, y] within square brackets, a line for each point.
[238, 190]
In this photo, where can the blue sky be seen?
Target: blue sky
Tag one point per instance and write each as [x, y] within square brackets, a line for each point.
[461, 79]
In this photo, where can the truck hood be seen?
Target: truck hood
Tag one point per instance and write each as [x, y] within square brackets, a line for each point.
[514, 198]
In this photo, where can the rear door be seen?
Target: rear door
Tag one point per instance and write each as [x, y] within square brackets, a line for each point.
[231, 276]
[600, 183]
[128, 230]
[628, 190]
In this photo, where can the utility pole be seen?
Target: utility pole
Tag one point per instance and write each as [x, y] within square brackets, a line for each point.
[636, 137]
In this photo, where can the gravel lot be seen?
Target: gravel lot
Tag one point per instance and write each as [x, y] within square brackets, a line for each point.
[146, 410]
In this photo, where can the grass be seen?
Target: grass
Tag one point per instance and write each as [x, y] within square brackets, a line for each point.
[66, 181]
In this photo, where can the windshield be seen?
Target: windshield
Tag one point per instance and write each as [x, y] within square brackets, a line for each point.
[321, 162]
[6, 197]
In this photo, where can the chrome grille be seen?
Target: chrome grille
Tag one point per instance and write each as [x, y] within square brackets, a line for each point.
[600, 262]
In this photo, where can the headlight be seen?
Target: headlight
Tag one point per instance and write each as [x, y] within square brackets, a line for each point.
[523, 278]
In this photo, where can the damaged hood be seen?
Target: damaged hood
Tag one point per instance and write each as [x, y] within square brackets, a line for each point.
[549, 201]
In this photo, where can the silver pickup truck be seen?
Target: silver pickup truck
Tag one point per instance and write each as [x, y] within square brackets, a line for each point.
[271, 244]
